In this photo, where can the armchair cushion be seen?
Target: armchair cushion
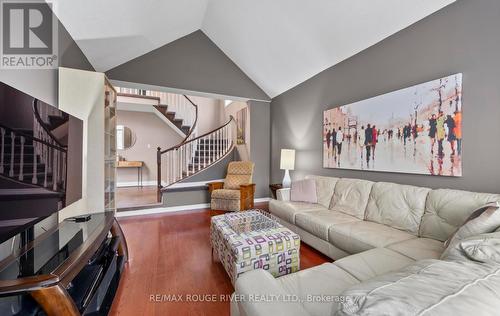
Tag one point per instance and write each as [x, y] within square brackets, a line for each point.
[226, 194]
[238, 173]
[228, 200]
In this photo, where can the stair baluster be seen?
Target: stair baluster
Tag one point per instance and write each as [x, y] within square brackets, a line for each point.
[12, 139]
[54, 175]
[34, 179]
[2, 131]
[21, 165]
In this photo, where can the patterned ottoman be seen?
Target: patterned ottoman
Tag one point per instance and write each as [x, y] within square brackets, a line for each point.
[249, 240]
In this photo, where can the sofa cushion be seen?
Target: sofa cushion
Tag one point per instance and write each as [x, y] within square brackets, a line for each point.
[325, 279]
[324, 188]
[319, 221]
[351, 196]
[396, 205]
[304, 191]
[371, 263]
[287, 210]
[419, 248]
[359, 236]
[446, 210]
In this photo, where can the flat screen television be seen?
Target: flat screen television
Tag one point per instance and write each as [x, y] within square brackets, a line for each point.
[40, 161]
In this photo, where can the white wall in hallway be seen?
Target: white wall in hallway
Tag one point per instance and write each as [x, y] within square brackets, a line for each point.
[81, 94]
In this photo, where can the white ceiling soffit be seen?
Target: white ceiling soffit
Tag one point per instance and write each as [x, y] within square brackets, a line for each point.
[112, 32]
[277, 43]
[282, 43]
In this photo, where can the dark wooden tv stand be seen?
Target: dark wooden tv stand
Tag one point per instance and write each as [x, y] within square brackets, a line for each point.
[72, 269]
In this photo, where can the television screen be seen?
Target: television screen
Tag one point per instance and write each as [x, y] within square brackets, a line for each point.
[40, 160]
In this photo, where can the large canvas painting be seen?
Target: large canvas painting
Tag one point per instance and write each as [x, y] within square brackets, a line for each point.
[413, 130]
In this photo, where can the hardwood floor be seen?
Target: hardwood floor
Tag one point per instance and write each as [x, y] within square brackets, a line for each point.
[170, 254]
[127, 197]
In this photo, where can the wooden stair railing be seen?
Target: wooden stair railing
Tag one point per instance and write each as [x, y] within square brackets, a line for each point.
[193, 155]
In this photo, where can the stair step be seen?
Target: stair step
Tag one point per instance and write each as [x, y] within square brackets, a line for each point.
[207, 147]
[208, 154]
[28, 149]
[17, 156]
[55, 121]
[28, 177]
[17, 140]
[27, 166]
[198, 159]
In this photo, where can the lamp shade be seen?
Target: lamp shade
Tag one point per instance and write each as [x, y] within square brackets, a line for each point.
[287, 159]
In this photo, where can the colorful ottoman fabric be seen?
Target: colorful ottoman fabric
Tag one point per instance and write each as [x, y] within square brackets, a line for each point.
[275, 249]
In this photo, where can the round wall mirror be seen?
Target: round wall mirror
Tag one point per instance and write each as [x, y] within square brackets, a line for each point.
[125, 137]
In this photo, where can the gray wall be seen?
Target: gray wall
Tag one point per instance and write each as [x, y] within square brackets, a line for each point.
[462, 37]
[150, 131]
[260, 145]
[193, 63]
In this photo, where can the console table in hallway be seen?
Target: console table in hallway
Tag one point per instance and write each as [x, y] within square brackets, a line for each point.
[133, 164]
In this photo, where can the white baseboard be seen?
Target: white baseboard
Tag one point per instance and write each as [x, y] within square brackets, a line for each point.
[179, 185]
[171, 209]
[160, 210]
[173, 186]
[151, 183]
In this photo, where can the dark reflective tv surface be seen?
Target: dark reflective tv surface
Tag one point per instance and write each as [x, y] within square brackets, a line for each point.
[48, 254]
[41, 150]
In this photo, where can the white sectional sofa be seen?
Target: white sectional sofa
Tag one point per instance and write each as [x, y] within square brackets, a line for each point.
[372, 230]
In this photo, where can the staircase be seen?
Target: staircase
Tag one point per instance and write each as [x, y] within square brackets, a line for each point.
[194, 153]
[35, 157]
[177, 108]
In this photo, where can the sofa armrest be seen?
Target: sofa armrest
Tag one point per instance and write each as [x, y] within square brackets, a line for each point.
[283, 194]
[215, 186]
[259, 294]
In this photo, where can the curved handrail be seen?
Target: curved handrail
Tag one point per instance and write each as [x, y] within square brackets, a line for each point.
[231, 118]
[38, 140]
[43, 125]
[191, 130]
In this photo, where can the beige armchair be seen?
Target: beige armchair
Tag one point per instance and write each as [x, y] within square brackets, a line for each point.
[237, 191]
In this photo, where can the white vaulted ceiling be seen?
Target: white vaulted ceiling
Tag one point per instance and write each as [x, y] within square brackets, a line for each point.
[112, 32]
[277, 43]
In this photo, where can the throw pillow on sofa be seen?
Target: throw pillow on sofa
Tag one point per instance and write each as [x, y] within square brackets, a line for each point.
[474, 214]
[487, 222]
[483, 248]
[304, 191]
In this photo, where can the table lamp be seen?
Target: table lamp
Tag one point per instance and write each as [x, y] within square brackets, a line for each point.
[287, 163]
